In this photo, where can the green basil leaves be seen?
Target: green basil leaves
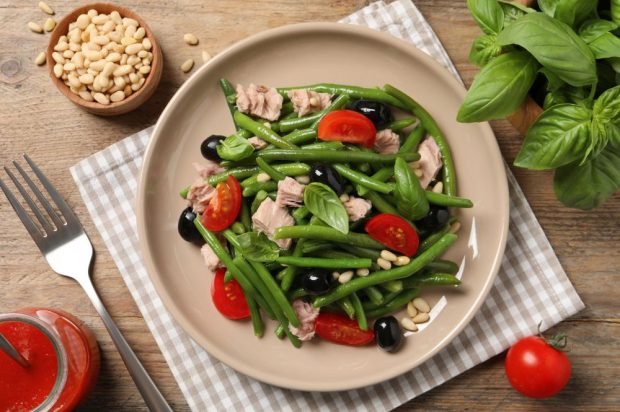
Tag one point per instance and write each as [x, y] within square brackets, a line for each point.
[488, 14]
[593, 29]
[411, 201]
[499, 88]
[255, 246]
[234, 148]
[325, 204]
[484, 49]
[605, 46]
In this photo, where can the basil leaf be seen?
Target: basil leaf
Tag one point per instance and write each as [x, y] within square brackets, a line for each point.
[234, 148]
[513, 10]
[488, 14]
[325, 204]
[499, 88]
[593, 29]
[605, 46]
[559, 136]
[614, 62]
[576, 95]
[553, 81]
[410, 198]
[573, 12]
[615, 11]
[555, 45]
[484, 49]
[256, 247]
[548, 6]
[588, 185]
[606, 112]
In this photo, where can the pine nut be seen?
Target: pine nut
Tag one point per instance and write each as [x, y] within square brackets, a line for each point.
[421, 305]
[120, 81]
[74, 81]
[58, 58]
[101, 98]
[45, 8]
[139, 34]
[58, 70]
[86, 96]
[415, 164]
[418, 172]
[128, 21]
[190, 39]
[344, 197]
[408, 324]
[384, 264]
[61, 47]
[100, 19]
[411, 310]
[345, 276]
[314, 101]
[75, 47]
[126, 41]
[456, 226]
[115, 37]
[133, 60]
[421, 318]
[142, 54]
[34, 27]
[49, 24]
[82, 21]
[263, 177]
[92, 55]
[40, 59]
[123, 70]
[108, 27]
[117, 96]
[133, 78]
[113, 57]
[127, 90]
[92, 13]
[101, 40]
[133, 48]
[67, 54]
[438, 188]
[130, 31]
[389, 256]
[75, 90]
[98, 65]
[87, 78]
[68, 67]
[205, 56]
[146, 43]
[116, 17]
[145, 69]
[363, 272]
[304, 180]
[402, 261]
[187, 65]
[335, 275]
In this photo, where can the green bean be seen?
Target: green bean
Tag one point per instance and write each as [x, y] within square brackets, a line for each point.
[334, 254]
[238, 228]
[374, 294]
[267, 168]
[229, 90]
[300, 136]
[347, 306]
[290, 271]
[412, 140]
[310, 262]
[335, 145]
[390, 296]
[267, 186]
[288, 169]
[184, 192]
[431, 279]
[288, 108]
[380, 203]
[228, 276]
[444, 266]
[432, 239]
[296, 294]
[362, 180]
[258, 199]
[246, 219]
[327, 233]
[398, 125]
[447, 200]
[361, 252]
[280, 331]
[257, 320]
[398, 302]
[294, 339]
[379, 277]
[355, 92]
[381, 175]
[300, 213]
[332, 156]
[427, 121]
[238, 172]
[310, 120]
[312, 245]
[393, 286]
[262, 131]
[359, 312]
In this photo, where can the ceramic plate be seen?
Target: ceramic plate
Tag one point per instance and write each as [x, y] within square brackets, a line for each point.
[297, 55]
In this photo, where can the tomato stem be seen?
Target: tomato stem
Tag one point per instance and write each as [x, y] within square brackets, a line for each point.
[557, 341]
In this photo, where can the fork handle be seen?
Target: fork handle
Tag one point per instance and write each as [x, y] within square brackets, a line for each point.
[153, 398]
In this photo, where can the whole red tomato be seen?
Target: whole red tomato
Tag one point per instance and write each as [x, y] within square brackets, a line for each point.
[537, 369]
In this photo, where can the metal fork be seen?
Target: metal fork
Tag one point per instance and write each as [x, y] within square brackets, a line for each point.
[68, 251]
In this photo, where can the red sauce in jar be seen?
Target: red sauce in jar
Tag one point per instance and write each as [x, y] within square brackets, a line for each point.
[61, 351]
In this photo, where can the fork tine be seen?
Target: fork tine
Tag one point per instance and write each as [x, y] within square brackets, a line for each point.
[44, 222]
[34, 231]
[50, 210]
[60, 202]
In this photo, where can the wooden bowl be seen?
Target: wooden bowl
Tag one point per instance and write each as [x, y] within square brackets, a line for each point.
[114, 108]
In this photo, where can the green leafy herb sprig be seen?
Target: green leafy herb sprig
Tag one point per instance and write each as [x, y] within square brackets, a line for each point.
[574, 44]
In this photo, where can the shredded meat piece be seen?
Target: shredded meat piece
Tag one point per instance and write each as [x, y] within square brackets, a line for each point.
[430, 161]
[209, 168]
[387, 142]
[268, 217]
[199, 195]
[257, 143]
[259, 101]
[357, 208]
[308, 101]
[211, 260]
[307, 315]
[290, 193]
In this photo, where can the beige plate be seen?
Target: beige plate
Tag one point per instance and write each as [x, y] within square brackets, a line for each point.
[297, 55]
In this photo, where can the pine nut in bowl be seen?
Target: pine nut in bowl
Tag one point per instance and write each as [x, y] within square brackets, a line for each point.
[105, 59]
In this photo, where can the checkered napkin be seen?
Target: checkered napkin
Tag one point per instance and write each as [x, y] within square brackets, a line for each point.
[530, 280]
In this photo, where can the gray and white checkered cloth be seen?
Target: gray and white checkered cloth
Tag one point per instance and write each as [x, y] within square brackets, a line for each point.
[530, 280]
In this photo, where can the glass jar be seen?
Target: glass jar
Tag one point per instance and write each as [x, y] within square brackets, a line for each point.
[63, 355]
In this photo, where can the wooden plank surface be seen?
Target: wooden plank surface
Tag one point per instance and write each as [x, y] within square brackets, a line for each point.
[35, 118]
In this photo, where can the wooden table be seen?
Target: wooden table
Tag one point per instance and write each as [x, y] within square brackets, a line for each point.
[36, 119]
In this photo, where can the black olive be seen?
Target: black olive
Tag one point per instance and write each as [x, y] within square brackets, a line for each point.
[317, 281]
[208, 148]
[186, 227]
[378, 113]
[436, 218]
[387, 333]
[324, 173]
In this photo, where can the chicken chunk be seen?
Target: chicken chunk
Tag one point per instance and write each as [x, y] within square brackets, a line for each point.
[257, 143]
[307, 315]
[290, 193]
[259, 101]
[357, 208]
[308, 101]
[208, 168]
[430, 161]
[211, 260]
[199, 195]
[387, 142]
[268, 217]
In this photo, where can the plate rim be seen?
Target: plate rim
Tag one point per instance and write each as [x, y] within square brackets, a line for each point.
[182, 320]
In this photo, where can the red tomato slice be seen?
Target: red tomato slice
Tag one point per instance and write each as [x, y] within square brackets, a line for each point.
[228, 298]
[349, 127]
[342, 330]
[224, 206]
[394, 232]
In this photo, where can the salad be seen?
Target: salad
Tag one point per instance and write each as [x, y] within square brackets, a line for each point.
[324, 212]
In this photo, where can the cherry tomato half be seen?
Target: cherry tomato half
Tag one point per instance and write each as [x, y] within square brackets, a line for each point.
[394, 232]
[349, 127]
[228, 298]
[537, 369]
[224, 206]
[342, 330]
